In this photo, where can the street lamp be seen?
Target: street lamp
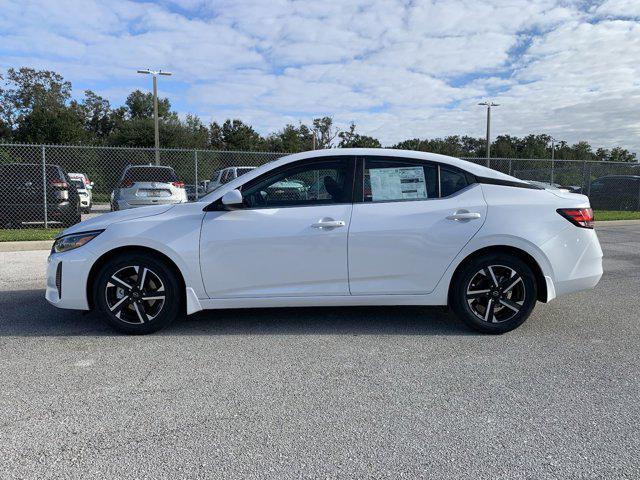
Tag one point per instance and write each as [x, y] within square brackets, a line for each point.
[155, 74]
[553, 157]
[489, 105]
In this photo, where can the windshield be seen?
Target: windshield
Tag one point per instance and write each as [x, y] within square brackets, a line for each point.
[77, 183]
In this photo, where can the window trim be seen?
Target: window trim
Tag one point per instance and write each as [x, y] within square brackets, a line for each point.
[217, 205]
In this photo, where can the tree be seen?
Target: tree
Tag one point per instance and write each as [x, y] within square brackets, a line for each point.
[291, 139]
[619, 154]
[95, 115]
[351, 139]
[35, 109]
[325, 132]
[235, 135]
[140, 105]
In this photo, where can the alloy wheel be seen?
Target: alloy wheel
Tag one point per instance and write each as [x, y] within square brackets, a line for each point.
[496, 293]
[135, 294]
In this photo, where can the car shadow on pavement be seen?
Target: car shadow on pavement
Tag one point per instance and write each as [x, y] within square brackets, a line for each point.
[27, 313]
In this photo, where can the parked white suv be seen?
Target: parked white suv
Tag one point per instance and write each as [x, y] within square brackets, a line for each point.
[220, 177]
[142, 185]
[83, 194]
[85, 190]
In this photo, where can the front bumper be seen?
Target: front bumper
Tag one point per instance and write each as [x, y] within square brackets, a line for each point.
[70, 291]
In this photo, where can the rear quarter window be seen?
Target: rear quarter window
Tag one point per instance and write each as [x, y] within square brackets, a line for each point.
[451, 181]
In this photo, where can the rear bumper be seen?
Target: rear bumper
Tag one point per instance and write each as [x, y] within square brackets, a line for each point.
[576, 257]
[123, 204]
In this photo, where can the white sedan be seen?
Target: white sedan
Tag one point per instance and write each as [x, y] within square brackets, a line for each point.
[361, 227]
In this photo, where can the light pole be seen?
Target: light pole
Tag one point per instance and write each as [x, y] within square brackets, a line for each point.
[155, 74]
[553, 156]
[489, 105]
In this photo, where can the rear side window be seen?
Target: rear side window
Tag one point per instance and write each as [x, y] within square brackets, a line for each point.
[390, 180]
[150, 174]
[451, 181]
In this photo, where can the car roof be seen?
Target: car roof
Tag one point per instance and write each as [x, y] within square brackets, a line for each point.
[470, 167]
[473, 168]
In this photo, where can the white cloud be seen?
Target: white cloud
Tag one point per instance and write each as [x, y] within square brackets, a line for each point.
[398, 69]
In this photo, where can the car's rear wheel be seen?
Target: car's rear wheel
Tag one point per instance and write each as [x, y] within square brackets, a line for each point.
[494, 293]
[138, 294]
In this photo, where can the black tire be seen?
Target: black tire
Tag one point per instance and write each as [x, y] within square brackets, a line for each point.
[512, 300]
[123, 309]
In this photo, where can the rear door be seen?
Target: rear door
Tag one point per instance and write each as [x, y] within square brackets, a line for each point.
[410, 220]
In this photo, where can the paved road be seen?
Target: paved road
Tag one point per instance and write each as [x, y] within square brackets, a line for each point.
[359, 392]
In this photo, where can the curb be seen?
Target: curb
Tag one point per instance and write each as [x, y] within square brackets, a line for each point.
[613, 223]
[25, 246]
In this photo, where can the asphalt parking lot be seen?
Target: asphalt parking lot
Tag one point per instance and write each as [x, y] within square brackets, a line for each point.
[352, 392]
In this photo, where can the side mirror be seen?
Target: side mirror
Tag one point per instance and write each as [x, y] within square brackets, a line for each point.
[232, 198]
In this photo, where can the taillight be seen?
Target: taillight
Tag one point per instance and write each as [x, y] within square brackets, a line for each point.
[580, 217]
[58, 184]
[178, 184]
[126, 184]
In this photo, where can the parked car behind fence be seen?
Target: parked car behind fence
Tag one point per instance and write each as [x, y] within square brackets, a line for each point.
[22, 197]
[616, 192]
[142, 185]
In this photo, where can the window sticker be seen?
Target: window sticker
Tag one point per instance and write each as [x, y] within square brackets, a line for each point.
[402, 183]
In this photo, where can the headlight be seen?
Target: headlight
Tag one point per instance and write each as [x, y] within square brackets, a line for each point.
[75, 240]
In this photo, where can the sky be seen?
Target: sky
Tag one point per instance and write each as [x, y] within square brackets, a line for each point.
[399, 69]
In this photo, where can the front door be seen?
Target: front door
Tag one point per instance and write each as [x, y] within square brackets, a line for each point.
[288, 239]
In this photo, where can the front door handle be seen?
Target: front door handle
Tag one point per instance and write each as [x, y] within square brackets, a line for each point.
[328, 224]
[464, 215]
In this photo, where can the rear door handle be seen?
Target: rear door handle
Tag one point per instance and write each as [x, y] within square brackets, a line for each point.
[464, 215]
[328, 224]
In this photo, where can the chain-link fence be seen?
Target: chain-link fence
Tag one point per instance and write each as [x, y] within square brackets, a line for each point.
[56, 185]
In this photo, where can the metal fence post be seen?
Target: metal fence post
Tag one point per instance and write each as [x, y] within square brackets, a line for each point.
[510, 166]
[195, 158]
[552, 170]
[589, 181]
[584, 177]
[44, 187]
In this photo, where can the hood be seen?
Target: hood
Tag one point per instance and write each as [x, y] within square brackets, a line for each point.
[102, 221]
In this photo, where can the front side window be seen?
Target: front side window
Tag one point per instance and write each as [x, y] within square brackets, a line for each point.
[391, 180]
[310, 182]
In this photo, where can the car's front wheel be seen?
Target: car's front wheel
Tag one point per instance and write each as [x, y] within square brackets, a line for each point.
[138, 293]
[494, 293]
